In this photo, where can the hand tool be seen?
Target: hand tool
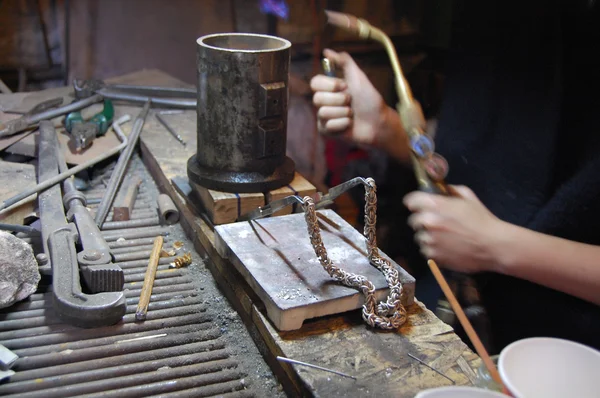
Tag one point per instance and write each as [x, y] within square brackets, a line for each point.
[62, 176]
[288, 360]
[27, 121]
[159, 96]
[411, 114]
[84, 132]
[119, 171]
[322, 200]
[142, 308]
[99, 274]
[169, 128]
[59, 237]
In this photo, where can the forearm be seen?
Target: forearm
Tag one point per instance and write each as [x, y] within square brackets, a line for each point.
[392, 138]
[560, 264]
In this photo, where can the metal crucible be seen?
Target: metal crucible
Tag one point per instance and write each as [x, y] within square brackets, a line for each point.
[242, 113]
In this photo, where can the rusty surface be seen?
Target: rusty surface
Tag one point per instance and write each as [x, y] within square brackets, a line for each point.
[242, 113]
[123, 206]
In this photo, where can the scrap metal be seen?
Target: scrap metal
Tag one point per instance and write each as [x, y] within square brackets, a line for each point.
[117, 175]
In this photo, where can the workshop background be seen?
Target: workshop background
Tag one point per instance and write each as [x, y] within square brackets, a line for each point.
[48, 43]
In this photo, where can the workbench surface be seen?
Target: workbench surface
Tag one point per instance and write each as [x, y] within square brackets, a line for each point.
[342, 342]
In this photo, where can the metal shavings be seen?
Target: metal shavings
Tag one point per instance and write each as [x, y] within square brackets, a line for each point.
[165, 253]
[177, 245]
[182, 261]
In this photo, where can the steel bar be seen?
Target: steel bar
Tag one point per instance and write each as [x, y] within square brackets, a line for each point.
[127, 250]
[142, 270]
[145, 390]
[98, 352]
[141, 99]
[163, 274]
[46, 335]
[222, 390]
[157, 91]
[137, 216]
[128, 243]
[216, 369]
[97, 200]
[170, 129]
[141, 263]
[141, 222]
[93, 365]
[164, 296]
[314, 367]
[23, 123]
[126, 198]
[103, 379]
[117, 176]
[166, 281]
[79, 344]
[135, 293]
[135, 234]
[42, 185]
[142, 308]
[133, 255]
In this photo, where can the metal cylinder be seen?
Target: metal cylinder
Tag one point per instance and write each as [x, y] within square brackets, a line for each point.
[242, 113]
[167, 209]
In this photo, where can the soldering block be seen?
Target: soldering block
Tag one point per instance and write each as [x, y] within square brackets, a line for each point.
[275, 257]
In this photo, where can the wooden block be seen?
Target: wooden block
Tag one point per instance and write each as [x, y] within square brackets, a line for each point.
[224, 207]
[125, 199]
[299, 186]
[275, 257]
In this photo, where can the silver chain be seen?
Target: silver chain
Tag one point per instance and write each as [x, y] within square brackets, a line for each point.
[389, 314]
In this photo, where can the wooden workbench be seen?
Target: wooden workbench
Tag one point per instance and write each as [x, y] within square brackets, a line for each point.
[343, 342]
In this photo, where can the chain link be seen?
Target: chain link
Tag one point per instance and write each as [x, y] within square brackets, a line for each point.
[389, 314]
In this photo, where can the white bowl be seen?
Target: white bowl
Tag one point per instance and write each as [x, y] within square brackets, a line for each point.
[459, 392]
[549, 368]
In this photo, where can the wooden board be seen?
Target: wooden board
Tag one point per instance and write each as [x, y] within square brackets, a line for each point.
[14, 178]
[299, 186]
[277, 260]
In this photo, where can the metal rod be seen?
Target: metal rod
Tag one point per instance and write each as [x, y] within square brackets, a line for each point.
[19, 228]
[142, 308]
[430, 367]
[117, 176]
[63, 176]
[314, 366]
[98, 352]
[53, 335]
[170, 129]
[118, 361]
[122, 370]
[143, 263]
[132, 243]
[23, 123]
[140, 99]
[136, 233]
[143, 222]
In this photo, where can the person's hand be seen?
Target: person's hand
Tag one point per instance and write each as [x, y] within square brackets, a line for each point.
[353, 109]
[458, 231]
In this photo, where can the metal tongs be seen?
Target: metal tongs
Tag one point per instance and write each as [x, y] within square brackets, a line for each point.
[323, 201]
